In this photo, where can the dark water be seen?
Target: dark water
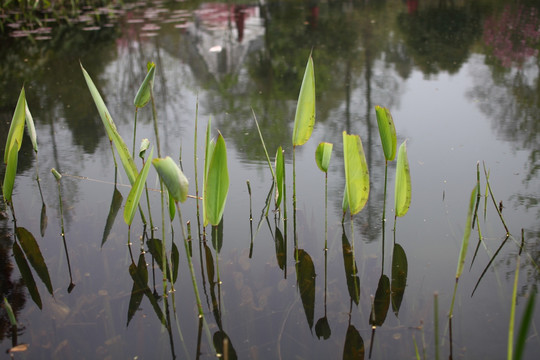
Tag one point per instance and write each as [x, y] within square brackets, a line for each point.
[462, 83]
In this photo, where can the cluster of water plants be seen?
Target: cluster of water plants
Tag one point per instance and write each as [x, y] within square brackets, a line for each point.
[174, 191]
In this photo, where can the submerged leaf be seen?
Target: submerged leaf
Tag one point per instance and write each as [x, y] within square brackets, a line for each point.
[356, 172]
[33, 253]
[216, 186]
[304, 119]
[134, 196]
[323, 155]
[306, 284]
[403, 182]
[387, 131]
[399, 277]
[173, 177]
[16, 128]
[143, 94]
[26, 274]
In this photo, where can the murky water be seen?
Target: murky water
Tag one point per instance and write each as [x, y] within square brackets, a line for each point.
[461, 82]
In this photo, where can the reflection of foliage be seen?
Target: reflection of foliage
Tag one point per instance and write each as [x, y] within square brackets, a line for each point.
[514, 35]
[439, 39]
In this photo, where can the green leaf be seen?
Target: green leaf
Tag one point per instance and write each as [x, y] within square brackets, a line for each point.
[387, 131]
[351, 270]
[33, 254]
[280, 175]
[31, 127]
[172, 208]
[137, 290]
[16, 128]
[209, 146]
[304, 120]
[525, 324]
[56, 174]
[127, 161]
[10, 312]
[323, 155]
[356, 172]
[26, 274]
[305, 273]
[145, 144]
[403, 182]
[216, 186]
[11, 171]
[143, 94]
[466, 234]
[134, 196]
[176, 182]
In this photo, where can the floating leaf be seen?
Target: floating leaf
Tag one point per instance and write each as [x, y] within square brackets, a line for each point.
[466, 234]
[26, 274]
[216, 186]
[173, 177]
[387, 131]
[31, 127]
[399, 277]
[304, 119]
[306, 284]
[33, 254]
[127, 161]
[143, 94]
[354, 345]
[116, 204]
[356, 172]
[323, 155]
[381, 302]
[134, 196]
[403, 182]
[11, 171]
[280, 176]
[16, 128]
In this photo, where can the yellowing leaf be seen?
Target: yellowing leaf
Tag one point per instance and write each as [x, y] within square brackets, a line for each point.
[304, 120]
[356, 172]
[403, 182]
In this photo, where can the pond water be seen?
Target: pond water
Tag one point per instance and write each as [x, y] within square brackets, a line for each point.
[462, 82]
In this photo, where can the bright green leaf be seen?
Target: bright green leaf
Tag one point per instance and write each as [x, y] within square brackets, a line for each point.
[127, 161]
[387, 131]
[175, 180]
[216, 186]
[356, 172]
[56, 174]
[134, 196]
[143, 95]
[304, 120]
[323, 155]
[16, 128]
[11, 171]
[403, 182]
[280, 175]
[172, 208]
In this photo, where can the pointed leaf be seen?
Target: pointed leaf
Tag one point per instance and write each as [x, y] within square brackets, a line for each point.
[216, 186]
[280, 176]
[387, 131]
[145, 144]
[127, 161]
[9, 311]
[143, 94]
[137, 290]
[403, 182]
[31, 127]
[172, 208]
[306, 284]
[381, 302]
[116, 203]
[11, 171]
[33, 254]
[16, 128]
[304, 120]
[175, 180]
[43, 220]
[26, 274]
[134, 196]
[356, 172]
[466, 234]
[323, 155]
[354, 345]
